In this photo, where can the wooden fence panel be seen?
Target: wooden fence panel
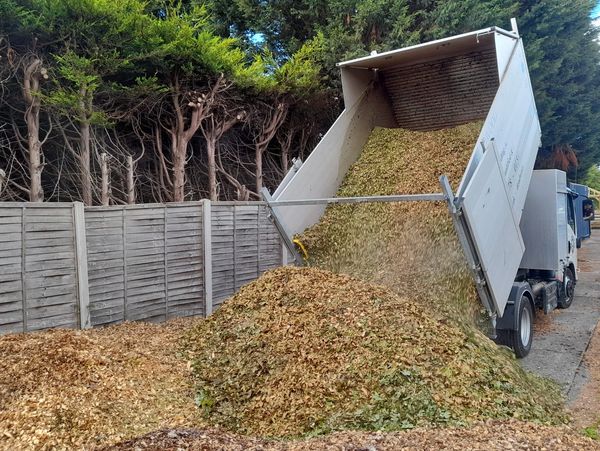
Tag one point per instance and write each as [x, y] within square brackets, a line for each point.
[39, 280]
[11, 270]
[50, 268]
[143, 262]
[245, 243]
[223, 252]
[270, 245]
[185, 261]
[106, 267]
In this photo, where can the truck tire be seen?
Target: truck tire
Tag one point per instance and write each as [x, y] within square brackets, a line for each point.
[567, 290]
[519, 340]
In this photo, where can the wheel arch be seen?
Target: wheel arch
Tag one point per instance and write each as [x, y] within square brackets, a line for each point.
[518, 292]
[572, 268]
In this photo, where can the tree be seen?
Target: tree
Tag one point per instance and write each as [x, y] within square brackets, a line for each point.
[73, 98]
[198, 68]
[592, 178]
[26, 72]
[296, 79]
[563, 59]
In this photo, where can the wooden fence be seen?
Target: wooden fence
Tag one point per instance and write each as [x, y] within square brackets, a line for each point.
[63, 265]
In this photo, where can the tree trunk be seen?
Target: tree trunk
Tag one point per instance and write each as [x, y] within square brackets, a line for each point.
[259, 169]
[130, 182]
[211, 146]
[199, 109]
[285, 143]
[271, 121]
[84, 163]
[105, 180]
[179, 157]
[31, 91]
[36, 192]
[285, 160]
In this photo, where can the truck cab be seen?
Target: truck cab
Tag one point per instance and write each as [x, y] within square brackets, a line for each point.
[548, 271]
[583, 208]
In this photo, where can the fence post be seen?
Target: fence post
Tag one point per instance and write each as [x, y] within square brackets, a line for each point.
[166, 259]
[82, 268]
[24, 268]
[207, 244]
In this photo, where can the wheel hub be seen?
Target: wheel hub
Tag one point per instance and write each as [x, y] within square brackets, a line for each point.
[568, 287]
[525, 327]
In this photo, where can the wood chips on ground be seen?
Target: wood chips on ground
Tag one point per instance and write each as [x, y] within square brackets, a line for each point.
[66, 389]
[490, 436]
[306, 351]
[303, 351]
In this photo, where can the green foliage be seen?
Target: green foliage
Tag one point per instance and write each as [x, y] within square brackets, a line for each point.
[454, 17]
[183, 42]
[592, 178]
[592, 432]
[563, 61]
[301, 74]
[76, 83]
[11, 15]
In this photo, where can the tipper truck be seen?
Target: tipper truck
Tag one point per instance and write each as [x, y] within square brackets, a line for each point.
[515, 225]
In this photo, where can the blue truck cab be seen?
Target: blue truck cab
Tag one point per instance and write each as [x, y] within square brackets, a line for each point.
[583, 224]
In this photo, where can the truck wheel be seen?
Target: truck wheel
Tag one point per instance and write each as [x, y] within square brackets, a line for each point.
[567, 290]
[520, 340]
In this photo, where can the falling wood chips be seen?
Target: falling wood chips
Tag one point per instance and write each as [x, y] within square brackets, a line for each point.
[65, 389]
[409, 247]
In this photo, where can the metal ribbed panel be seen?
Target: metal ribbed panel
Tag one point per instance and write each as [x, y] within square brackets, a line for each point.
[443, 93]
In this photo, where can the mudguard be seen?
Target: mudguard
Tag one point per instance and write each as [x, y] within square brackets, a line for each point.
[509, 319]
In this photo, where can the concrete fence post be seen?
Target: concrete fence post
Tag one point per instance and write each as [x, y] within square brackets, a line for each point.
[82, 267]
[207, 245]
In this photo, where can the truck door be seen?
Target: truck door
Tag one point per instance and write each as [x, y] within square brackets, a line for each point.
[571, 229]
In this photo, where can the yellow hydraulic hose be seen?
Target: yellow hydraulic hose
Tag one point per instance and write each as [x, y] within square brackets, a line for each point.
[300, 246]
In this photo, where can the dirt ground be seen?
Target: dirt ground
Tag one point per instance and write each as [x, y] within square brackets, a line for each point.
[490, 436]
[585, 409]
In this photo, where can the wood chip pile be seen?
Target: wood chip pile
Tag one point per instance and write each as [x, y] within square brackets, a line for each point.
[303, 351]
[65, 389]
[490, 436]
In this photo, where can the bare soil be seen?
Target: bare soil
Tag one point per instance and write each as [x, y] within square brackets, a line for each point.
[585, 410]
[490, 436]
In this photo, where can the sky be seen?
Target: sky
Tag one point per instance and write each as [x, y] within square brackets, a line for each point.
[596, 11]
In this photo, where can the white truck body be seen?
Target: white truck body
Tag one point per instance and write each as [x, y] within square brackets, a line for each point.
[480, 75]
[546, 225]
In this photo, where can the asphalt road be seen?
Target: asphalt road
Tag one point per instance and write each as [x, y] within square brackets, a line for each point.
[557, 352]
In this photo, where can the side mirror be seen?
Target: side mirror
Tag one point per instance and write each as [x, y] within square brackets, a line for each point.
[588, 210]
